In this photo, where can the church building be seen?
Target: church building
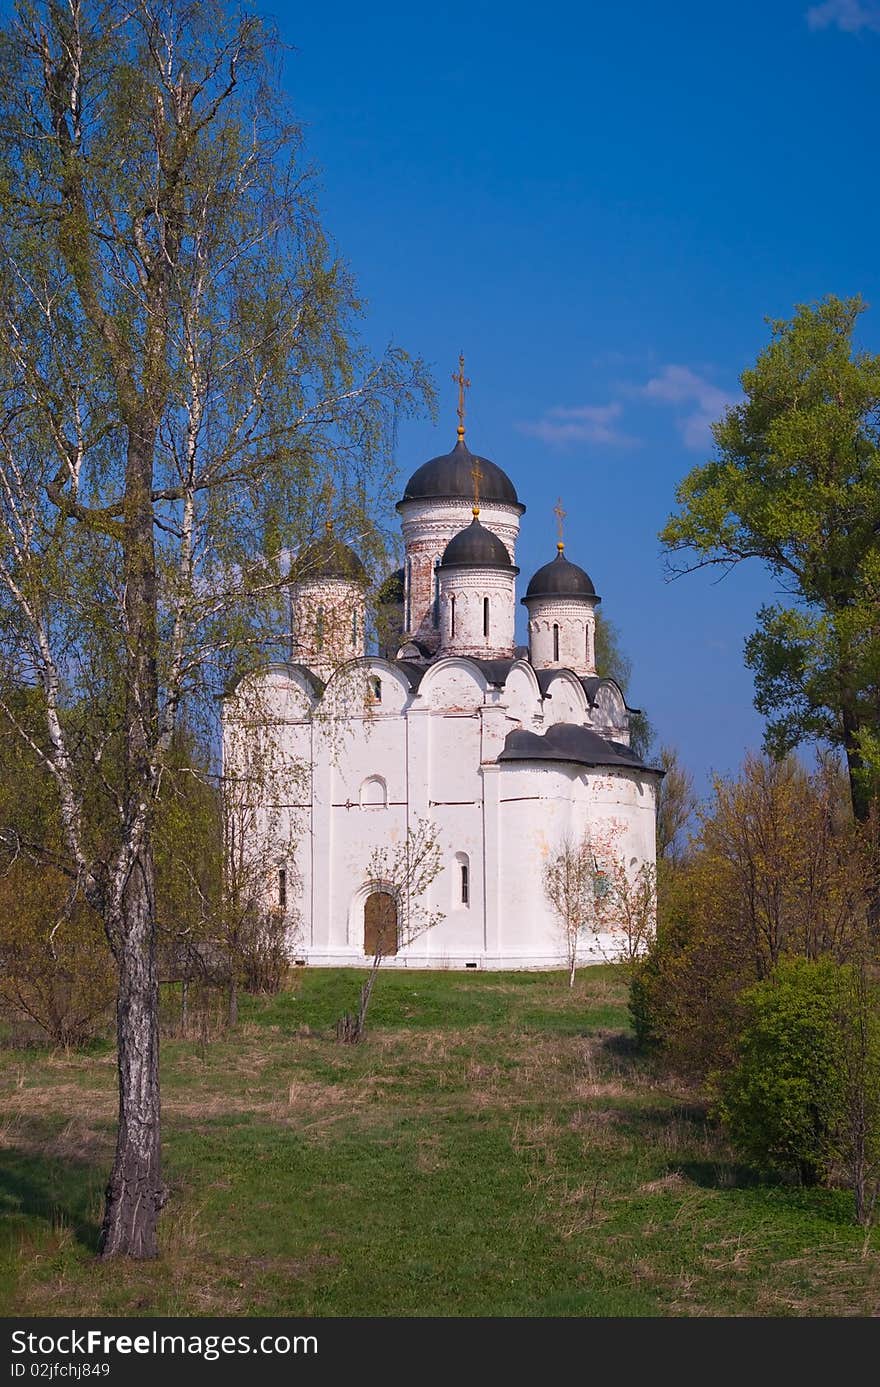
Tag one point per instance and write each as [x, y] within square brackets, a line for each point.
[505, 751]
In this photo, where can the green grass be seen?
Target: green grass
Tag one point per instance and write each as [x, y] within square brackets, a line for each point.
[494, 1148]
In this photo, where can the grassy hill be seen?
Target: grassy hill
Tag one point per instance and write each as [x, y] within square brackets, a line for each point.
[494, 1148]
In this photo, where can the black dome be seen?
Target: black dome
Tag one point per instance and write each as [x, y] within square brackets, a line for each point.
[452, 476]
[476, 547]
[328, 557]
[560, 579]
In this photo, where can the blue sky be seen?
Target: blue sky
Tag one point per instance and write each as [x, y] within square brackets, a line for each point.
[600, 203]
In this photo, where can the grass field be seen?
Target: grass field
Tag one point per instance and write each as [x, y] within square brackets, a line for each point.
[494, 1148]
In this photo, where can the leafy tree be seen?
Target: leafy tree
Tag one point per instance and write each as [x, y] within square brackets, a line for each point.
[570, 887]
[776, 869]
[796, 484]
[179, 374]
[676, 803]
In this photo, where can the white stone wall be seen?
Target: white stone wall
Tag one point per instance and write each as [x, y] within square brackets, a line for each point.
[483, 603]
[562, 634]
[427, 527]
[372, 770]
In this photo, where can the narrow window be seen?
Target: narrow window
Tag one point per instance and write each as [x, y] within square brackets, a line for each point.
[319, 629]
[436, 614]
[375, 688]
[452, 616]
[555, 642]
[486, 617]
[408, 586]
[282, 888]
[461, 881]
[587, 644]
[354, 630]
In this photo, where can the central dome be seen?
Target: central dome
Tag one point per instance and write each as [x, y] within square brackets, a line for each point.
[476, 547]
[450, 477]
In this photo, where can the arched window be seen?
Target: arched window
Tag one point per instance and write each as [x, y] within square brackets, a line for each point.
[375, 688]
[408, 595]
[555, 641]
[436, 611]
[486, 617]
[452, 615]
[462, 880]
[374, 793]
[354, 629]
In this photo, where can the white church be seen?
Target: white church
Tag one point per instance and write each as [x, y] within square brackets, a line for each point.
[504, 751]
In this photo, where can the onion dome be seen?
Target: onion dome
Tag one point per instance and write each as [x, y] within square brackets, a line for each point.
[476, 547]
[451, 477]
[328, 557]
[561, 579]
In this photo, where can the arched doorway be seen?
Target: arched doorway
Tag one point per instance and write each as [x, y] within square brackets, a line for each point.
[380, 924]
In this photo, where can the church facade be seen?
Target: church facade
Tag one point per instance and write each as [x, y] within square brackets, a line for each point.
[503, 752]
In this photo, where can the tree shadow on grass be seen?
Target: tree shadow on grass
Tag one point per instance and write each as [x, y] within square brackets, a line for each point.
[60, 1193]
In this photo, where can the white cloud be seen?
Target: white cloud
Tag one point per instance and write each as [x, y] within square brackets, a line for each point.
[706, 403]
[849, 15]
[580, 424]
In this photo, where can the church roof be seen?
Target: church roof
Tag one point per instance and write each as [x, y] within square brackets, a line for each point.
[451, 477]
[476, 547]
[560, 578]
[327, 557]
[569, 742]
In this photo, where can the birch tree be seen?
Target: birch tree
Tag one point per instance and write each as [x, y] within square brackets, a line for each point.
[179, 374]
[570, 887]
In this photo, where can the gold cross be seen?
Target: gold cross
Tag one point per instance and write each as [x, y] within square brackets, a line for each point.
[463, 384]
[477, 474]
[560, 517]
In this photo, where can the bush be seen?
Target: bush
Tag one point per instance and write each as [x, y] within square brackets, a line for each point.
[60, 978]
[684, 992]
[784, 1102]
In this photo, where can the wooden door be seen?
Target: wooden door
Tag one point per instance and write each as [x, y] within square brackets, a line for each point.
[380, 924]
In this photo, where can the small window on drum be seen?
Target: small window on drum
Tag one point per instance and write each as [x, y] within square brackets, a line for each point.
[556, 642]
[486, 618]
[319, 629]
[354, 629]
[452, 615]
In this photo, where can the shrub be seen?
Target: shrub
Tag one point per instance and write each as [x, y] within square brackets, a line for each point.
[55, 964]
[784, 1101]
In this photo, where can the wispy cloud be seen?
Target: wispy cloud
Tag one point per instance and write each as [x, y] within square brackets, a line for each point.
[704, 402]
[580, 424]
[849, 15]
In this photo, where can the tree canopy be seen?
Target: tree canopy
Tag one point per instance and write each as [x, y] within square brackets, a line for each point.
[796, 484]
[182, 388]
